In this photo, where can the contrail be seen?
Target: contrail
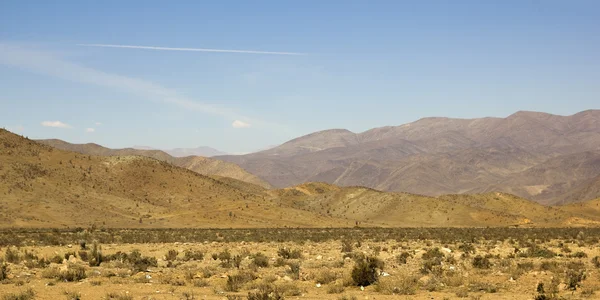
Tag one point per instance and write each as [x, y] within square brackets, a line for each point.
[191, 49]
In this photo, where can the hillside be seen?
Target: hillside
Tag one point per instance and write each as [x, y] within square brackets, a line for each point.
[201, 165]
[533, 155]
[43, 186]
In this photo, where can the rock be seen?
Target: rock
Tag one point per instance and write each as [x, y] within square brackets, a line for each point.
[287, 278]
[385, 274]
[69, 246]
[319, 257]
[562, 287]
[446, 250]
[424, 279]
[72, 259]
[318, 285]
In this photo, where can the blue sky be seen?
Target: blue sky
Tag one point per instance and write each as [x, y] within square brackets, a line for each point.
[366, 64]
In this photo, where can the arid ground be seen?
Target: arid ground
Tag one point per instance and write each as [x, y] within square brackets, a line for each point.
[474, 263]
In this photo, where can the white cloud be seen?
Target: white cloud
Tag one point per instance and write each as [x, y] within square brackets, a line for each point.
[90, 130]
[47, 63]
[191, 49]
[56, 124]
[239, 124]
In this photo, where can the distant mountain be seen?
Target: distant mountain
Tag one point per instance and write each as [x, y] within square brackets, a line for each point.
[535, 155]
[198, 164]
[183, 152]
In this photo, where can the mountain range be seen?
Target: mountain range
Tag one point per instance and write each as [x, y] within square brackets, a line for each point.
[43, 186]
[547, 158]
[198, 164]
[183, 152]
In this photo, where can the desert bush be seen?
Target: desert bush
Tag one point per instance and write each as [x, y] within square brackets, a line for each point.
[118, 296]
[200, 282]
[403, 285]
[432, 266]
[225, 258]
[347, 246]
[12, 255]
[403, 257]
[537, 251]
[467, 248]
[289, 289]
[294, 270]
[289, 254]
[237, 261]
[478, 286]
[551, 266]
[23, 295]
[260, 260]
[73, 273]
[525, 266]
[481, 262]
[3, 271]
[335, 289]
[266, 292]
[236, 281]
[72, 295]
[325, 276]
[578, 254]
[193, 255]
[432, 254]
[366, 270]
[135, 260]
[83, 255]
[596, 261]
[171, 255]
[574, 278]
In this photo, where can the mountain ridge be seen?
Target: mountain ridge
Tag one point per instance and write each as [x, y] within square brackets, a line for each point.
[434, 155]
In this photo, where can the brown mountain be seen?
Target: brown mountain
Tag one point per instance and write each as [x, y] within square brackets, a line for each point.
[198, 164]
[42, 186]
[524, 154]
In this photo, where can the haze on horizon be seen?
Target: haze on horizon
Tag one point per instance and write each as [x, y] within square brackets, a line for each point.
[240, 76]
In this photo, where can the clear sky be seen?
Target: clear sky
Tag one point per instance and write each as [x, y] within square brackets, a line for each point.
[364, 64]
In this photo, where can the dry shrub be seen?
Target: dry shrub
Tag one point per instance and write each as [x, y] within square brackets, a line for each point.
[325, 276]
[335, 289]
[27, 294]
[403, 285]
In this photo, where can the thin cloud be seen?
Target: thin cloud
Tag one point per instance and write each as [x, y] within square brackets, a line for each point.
[98, 123]
[46, 63]
[239, 124]
[90, 130]
[191, 49]
[55, 124]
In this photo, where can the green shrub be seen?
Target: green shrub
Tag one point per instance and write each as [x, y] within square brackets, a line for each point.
[366, 270]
